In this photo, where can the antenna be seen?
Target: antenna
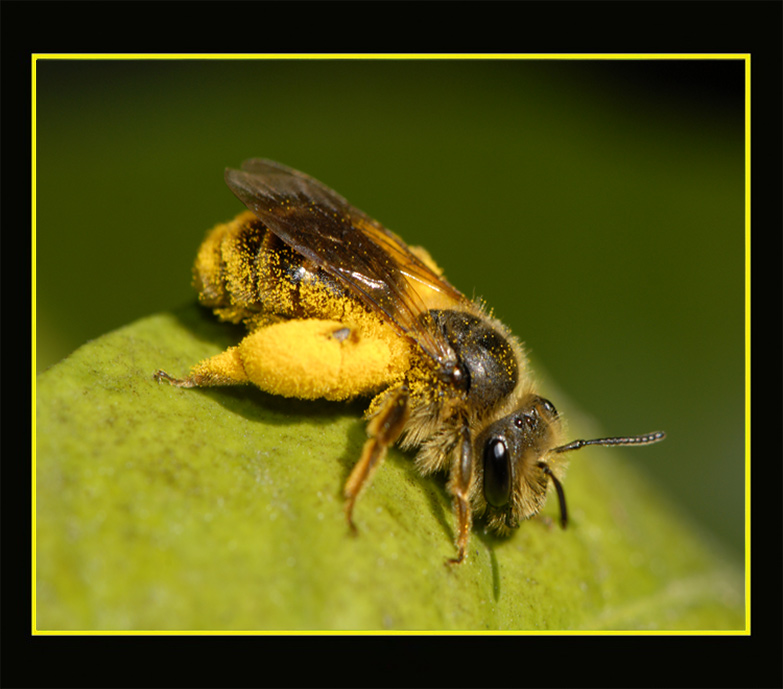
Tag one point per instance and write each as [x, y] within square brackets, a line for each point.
[647, 439]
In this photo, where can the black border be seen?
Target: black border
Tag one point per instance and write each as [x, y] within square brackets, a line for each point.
[512, 27]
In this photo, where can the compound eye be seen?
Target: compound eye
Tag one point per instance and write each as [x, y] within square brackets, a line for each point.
[549, 407]
[497, 473]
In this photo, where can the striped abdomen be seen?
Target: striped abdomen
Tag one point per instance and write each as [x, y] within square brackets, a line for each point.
[243, 270]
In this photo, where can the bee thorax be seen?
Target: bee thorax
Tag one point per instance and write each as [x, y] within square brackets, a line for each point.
[487, 368]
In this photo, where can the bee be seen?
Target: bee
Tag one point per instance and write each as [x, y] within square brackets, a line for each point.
[337, 307]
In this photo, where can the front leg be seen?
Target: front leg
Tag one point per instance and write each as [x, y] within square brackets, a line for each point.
[459, 486]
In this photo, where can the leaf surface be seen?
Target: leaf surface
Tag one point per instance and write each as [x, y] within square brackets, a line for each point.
[160, 508]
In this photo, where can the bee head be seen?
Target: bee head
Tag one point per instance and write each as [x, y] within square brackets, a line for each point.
[520, 456]
[514, 475]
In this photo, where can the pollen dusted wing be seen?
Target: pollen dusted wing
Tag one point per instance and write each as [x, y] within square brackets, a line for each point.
[372, 262]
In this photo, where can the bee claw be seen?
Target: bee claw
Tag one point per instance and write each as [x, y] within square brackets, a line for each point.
[348, 515]
[161, 375]
[456, 560]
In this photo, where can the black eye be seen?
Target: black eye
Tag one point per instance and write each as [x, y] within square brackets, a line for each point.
[497, 473]
[546, 404]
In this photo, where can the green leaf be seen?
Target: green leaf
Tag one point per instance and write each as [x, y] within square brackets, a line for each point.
[159, 508]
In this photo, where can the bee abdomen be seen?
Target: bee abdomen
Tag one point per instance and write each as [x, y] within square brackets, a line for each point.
[243, 269]
[224, 270]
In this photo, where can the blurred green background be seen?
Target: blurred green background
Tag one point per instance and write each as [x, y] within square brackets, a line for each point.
[598, 206]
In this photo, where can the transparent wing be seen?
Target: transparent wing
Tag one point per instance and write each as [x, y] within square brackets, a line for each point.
[373, 263]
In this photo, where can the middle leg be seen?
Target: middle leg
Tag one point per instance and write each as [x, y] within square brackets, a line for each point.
[460, 484]
[384, 429]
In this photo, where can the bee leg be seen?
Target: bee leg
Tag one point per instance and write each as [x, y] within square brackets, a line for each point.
[459, 486]
[224, 369]
[383, 429]
[160, 375]
[190, 382]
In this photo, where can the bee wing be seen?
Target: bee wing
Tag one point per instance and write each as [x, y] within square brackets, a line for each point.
[370, 261]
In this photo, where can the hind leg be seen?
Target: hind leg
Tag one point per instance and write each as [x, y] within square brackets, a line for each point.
[309, 359]
[224, 369]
